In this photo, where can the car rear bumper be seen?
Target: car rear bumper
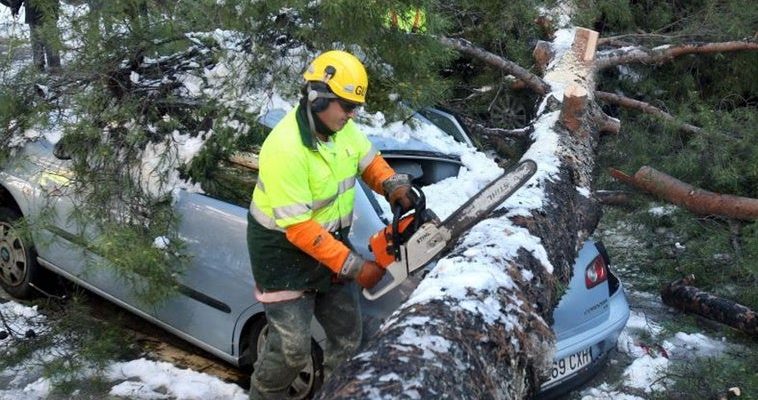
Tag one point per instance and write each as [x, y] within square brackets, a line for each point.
[601, 339]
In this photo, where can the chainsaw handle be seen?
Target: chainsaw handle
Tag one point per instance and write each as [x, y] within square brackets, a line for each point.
[397, 212]
[396, 274]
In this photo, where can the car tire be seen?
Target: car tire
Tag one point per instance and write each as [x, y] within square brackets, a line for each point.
[308, 381]
[19, 270]
[510, 112]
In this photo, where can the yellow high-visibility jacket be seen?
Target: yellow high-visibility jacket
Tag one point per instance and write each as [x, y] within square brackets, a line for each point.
[302, 204]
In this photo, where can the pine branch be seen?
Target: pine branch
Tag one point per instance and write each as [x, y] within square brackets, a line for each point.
[646, 108]
[531, 80]
[642, 36]
[662, 54]
[512, 133]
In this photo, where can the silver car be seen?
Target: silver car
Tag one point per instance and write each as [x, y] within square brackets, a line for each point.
[214, 308]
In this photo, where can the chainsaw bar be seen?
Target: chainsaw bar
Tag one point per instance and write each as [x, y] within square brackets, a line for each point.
[432, 238]
[484, 202]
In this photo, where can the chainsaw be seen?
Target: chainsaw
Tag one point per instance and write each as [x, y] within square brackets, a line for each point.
[412, 241]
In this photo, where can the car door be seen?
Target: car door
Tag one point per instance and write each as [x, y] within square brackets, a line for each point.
[216, 285]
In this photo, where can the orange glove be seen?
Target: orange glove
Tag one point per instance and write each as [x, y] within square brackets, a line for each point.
[370, 274]
[397, 189]
[366, 273]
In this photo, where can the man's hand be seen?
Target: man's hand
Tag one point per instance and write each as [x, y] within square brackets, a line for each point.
[397, 189]
[370, 274]
[365, 273]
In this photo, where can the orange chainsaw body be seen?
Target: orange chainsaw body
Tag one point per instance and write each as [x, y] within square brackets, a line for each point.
[382, 244]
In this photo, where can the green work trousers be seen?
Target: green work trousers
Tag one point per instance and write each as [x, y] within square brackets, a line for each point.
[288, 344]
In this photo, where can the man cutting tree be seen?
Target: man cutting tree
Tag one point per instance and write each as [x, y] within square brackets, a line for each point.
[300, 217]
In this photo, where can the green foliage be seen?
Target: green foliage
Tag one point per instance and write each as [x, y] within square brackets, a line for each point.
[150, 271]
[716, 92]
[698, 19]
[20, 109]
[598, 14]
[507, 29]
[712, 377]
[674, 243]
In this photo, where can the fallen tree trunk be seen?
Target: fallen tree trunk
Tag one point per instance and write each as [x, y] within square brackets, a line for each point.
[683, 194]
[682, 295]
[478, 325]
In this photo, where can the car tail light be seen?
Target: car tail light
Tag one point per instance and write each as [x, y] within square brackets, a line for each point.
[596, 273]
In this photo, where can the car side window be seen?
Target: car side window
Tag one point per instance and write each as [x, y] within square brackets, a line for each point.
[445, 124]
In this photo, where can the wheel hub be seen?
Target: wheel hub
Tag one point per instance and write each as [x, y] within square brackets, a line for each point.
[12, 257]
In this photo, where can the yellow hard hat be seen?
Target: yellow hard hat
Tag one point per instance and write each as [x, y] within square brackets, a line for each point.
[342, 72]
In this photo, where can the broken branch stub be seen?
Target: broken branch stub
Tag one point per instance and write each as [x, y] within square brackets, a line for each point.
[543, 54]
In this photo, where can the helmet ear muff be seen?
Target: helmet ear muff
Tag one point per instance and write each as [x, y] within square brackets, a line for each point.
[319, 96]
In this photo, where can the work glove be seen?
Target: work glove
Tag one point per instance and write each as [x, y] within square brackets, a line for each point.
[397, 191]
[365, 273]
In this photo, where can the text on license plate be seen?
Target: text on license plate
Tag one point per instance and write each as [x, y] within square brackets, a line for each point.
[568, 365]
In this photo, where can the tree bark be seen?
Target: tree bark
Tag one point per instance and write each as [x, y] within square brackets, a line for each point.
[447, 346]
[694, 199]
[663, 54]
[682, 295]
[646, 108]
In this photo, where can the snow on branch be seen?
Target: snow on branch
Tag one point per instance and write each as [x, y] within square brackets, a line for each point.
[661, 54]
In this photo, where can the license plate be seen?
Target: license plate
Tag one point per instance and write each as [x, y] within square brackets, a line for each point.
[569, 365]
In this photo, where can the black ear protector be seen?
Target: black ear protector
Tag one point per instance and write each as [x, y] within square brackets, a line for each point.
[316, 98]
[319, 96]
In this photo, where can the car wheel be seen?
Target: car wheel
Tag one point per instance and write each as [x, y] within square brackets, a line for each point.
[308, 381]
[509, 112]
[18, 261]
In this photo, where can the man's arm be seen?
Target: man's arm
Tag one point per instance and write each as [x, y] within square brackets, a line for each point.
[314, 240]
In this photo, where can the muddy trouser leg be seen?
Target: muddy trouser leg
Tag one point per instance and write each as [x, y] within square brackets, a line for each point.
[339, 313]
[287, 349]
[38, 47]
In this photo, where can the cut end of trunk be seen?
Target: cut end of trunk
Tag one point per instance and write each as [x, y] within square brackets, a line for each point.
[574, 102]
[585, 44]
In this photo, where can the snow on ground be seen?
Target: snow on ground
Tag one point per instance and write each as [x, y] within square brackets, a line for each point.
[146, 379]
[136, 379]
[652, 353]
